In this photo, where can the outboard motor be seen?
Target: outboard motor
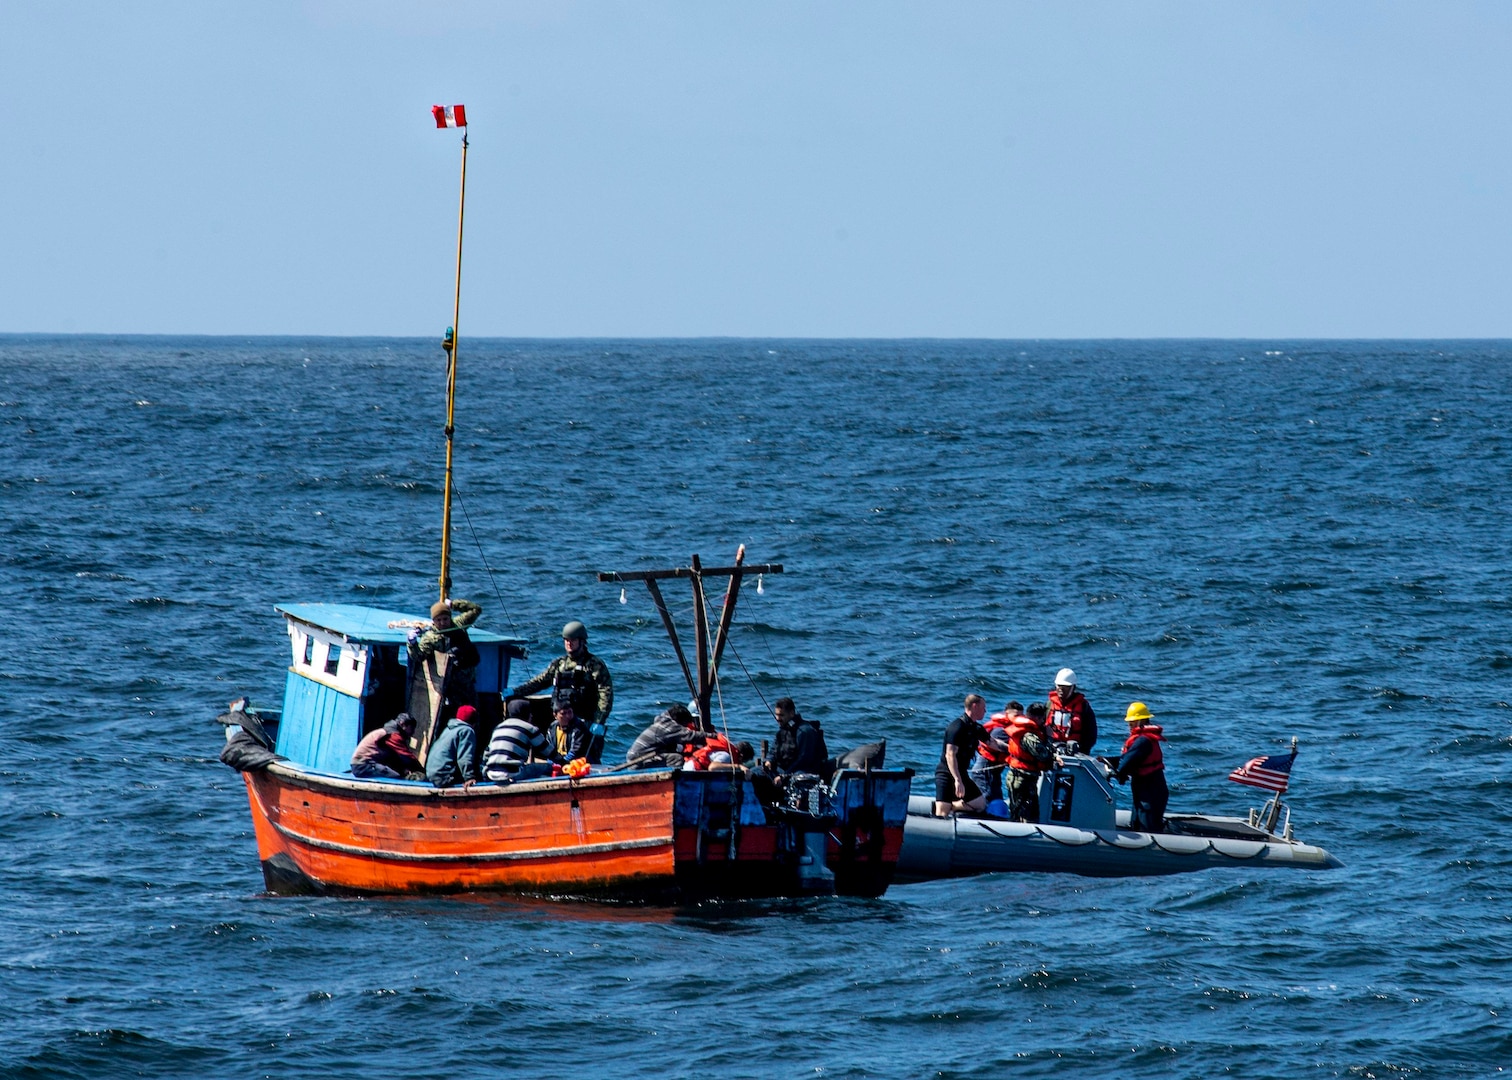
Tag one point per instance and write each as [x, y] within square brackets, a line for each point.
[814, 876]
[808, 796]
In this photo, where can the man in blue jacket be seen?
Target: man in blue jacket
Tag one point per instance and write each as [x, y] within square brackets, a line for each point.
[453, 754]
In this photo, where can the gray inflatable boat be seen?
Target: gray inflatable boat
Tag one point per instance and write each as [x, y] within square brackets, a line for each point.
[1081, 831]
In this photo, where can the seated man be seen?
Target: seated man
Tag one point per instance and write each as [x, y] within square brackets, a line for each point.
[450, 761]
[384, 753]
[660, 746]
[514, 741]
[568, 736]
[800, 743]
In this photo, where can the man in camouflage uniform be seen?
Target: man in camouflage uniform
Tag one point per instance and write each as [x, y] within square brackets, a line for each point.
[586, 678]
[448, 634]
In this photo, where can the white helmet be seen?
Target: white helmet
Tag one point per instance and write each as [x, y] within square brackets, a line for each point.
[1065, 677]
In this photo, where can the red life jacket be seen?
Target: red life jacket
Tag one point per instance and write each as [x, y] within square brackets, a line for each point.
[714, 744]
[995, 751]
[1017, 758]
[1155, 761]
[1064, 718]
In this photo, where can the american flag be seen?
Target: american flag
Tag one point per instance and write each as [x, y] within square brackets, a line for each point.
[449, 115]
[1271, 773]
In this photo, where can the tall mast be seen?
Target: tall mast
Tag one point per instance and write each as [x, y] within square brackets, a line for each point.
[450, 345]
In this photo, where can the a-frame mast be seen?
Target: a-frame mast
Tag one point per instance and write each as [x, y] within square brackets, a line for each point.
[709, 652]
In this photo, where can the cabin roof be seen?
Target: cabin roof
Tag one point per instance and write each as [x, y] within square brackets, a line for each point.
[375, 625]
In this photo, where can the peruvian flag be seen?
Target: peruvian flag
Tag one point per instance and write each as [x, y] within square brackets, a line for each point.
[449, 115]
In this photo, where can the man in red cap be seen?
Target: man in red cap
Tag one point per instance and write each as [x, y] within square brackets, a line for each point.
[452, 757]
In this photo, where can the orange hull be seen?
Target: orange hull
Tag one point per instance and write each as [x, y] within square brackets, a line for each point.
[648, 834]
[595, 835]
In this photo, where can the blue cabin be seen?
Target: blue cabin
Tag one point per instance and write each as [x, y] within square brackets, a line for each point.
[348, 674]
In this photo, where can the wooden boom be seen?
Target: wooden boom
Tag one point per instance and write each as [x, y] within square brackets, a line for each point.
[709, 653]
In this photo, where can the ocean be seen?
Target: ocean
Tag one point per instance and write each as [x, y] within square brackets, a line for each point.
[1259, 539]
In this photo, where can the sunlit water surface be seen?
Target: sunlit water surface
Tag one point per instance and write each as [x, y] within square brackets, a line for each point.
[1259, 539]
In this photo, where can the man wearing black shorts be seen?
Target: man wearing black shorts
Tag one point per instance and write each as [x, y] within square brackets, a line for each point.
[954, 789]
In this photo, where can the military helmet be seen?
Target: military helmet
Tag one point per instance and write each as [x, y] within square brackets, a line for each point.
[574, 631]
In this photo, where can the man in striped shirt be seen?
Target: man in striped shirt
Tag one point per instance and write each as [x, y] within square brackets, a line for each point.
[514, 741]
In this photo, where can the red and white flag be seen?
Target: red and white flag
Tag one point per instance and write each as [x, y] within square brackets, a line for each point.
[449, 115]
[1271, 773]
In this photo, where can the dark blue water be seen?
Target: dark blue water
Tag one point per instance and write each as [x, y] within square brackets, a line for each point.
[1259, 539]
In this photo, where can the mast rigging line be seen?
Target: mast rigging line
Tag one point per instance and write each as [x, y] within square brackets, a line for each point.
[724, 719]
[484, 560]
[736, 653]
[730, 644]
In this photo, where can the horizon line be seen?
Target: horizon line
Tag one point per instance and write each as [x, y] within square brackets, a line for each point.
[43, 334]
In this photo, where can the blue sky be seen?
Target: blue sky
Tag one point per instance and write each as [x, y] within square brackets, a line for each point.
[1046, 169]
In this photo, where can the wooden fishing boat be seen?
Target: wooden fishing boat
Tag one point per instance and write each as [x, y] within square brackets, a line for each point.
[629, 834]
[641, 834]
[661, 836]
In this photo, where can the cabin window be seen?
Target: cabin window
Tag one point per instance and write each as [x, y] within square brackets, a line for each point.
[309, 656]
[333, 659]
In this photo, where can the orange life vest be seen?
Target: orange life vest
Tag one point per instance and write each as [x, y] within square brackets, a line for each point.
[1064, 719]
[993, 751]
[714, 744]
[1155, 761]
[1017, 757]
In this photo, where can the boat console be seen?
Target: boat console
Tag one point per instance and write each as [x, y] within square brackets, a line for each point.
[1078, 793]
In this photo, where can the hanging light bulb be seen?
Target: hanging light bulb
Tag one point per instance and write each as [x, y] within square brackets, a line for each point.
[760, 588]
[623, 599]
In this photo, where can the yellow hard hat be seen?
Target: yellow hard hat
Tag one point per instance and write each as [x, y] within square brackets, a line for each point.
[1138, 712]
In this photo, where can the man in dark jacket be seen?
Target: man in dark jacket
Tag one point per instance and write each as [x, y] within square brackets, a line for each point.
[451, 758]
[1143, 762]
[567, 738]
[800, 743]
[448, 634]
[586, 677]
[660, 745]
